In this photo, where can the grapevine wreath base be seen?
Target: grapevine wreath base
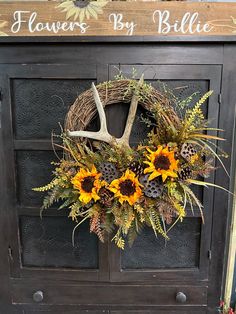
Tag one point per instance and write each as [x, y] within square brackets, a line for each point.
[120, 189]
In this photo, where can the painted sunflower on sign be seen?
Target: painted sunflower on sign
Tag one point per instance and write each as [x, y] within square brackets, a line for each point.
[127, 188]
[162, 163]
[82, 9]
[2, 25]
[88, 184]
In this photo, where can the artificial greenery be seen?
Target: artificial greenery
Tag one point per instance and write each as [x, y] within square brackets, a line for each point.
[121, 190]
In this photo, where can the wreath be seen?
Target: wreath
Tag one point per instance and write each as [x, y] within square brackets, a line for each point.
[121, 189]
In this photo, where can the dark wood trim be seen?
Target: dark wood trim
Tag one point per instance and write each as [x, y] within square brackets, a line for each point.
[116, 309]
[120, 39]
[5, 288]
[223, 201]
[59, 310]
[50, 71]
[73, 53]
[105, 295]
[159, 312]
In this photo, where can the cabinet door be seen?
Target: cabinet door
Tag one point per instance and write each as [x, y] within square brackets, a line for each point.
[185, 257]
[35, 102]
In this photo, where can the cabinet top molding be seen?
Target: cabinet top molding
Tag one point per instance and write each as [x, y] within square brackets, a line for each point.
[118, 18]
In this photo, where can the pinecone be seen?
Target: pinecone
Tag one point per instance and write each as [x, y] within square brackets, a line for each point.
[136, 167]
[109, 171]
[187, 151]
[185, 173]
[106, 197]
[152, 188]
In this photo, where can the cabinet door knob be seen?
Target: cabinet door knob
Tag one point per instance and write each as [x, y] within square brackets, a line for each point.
[181, 297]
[38, 296]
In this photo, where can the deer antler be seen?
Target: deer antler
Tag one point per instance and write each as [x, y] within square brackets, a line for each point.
[103, 134]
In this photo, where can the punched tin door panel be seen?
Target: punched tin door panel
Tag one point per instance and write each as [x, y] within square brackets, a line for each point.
[185, 257]
[38, 98]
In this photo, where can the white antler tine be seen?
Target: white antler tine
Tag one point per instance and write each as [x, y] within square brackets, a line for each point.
[131, 116]
[102, 134]
[141, 80]
[101, 112]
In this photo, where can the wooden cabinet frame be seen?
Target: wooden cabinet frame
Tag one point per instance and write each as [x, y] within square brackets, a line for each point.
[214, 61]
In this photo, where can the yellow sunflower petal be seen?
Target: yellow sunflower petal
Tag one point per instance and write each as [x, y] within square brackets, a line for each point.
[164, 177]
[96, 197]
[93, 170]
[149, 150]
[171, 174]
[85, 198]
[149, 163]
[121, 199]
[160, 148]
[154, 175]
[149, 169]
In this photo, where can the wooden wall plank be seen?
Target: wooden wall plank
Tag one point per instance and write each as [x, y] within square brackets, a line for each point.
[117, 18]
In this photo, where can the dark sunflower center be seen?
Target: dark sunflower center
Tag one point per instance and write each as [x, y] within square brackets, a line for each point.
[81, 3]
[162, 162]
[87, 184]
[127, 188]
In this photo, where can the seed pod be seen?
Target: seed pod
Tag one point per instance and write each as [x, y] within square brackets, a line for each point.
[152, 188]
[108, 171]
[187, 151]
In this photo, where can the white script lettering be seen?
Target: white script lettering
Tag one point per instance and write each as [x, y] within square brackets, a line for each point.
[26, 17]
[189, 23]
[119, 24]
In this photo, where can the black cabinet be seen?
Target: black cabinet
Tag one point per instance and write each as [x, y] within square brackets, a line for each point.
[42, 272]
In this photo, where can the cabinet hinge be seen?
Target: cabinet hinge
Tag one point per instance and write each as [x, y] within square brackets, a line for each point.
[219, 98]
[209, 254]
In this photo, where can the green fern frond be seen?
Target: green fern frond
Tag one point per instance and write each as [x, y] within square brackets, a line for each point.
[155, 221]
[119, 241]
[180, 210]
[46, 187]
[194, 117]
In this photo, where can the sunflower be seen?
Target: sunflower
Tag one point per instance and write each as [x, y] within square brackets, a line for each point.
[161, 163]
[82, 8]
[126, 188]
[2, 25]
[88, 184]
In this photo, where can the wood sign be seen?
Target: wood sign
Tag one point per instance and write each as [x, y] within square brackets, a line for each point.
[118, 18]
